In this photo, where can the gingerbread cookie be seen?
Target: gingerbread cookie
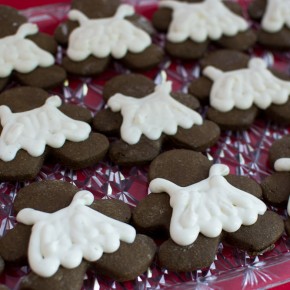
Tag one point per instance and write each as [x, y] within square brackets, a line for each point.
[94, 36]
[198, 204]
[86, 233]
[192, 25]
[147, 117]
[26, 54]
[274, 32]
[276, 186]
[33, 128]
[237, 87]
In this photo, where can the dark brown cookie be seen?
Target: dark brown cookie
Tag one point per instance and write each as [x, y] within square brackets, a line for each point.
[51, 196]
[129, 155]
[198, 137]
[279, 149]
[235, 119]
[129, 261]
[279, 113]
[66, 279]
[259, 237]
[88, 67]
[190, 49]
[43, 77]
[146, 59]
[225, 60]
[114, 208]
[199, 254]
[134, 85]
[72, 154]
[153, 214]
[92, 8]
[205, 136]
[183, 172]
[272, 40]
[276, 188]
[10, 20]
[246, 184]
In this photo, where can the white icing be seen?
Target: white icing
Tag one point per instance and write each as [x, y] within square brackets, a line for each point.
[244, 87]
[105, 36]
[276, 16]
[152, 115]
[199, 21]
[20, 54]
[66, 236]
[283, 164]
[208, 207]
[33, 130]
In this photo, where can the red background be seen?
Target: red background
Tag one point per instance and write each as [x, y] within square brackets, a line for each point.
[22, 4]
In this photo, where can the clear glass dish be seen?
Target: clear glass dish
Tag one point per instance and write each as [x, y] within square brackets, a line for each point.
[245, 153]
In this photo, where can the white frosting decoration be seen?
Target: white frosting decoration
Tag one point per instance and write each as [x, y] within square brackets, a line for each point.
[33, 130]
[199, 21]
[152, 115]
[66, 236]
[283, 164]
[105, 36]
[276, 16]
[208, 207]
[244, 87]
[20, 54]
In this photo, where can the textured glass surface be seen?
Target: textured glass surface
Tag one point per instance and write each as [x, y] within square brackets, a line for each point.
[245, 153]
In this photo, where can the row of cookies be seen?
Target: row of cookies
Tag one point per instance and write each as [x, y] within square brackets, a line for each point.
[124, 35]
[143, 118]
[193, 207]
